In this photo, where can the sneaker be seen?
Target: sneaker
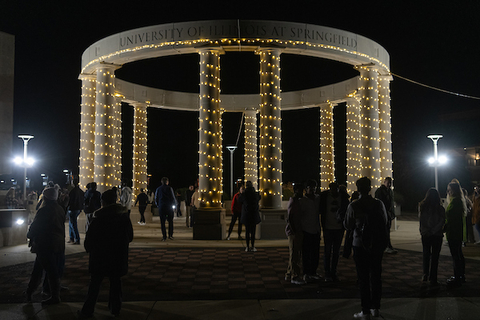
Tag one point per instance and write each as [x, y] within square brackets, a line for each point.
[253, 249]
[140, 223]
[361, 315]
[391, 251]
[316, 276]
[308, 279]
[228, 238]
[297, 280]
[375, 313]
[247, 249]
[171, 238]
[70, 241]
[76, 242]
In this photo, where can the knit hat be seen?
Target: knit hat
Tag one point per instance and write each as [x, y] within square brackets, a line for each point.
[50, 193]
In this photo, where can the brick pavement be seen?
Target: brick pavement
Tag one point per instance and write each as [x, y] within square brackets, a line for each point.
[166, 273]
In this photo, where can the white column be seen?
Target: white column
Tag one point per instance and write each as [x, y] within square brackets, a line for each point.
[251, 150]
[327, 156]
[87, 130]
[270, 129]
[386, 162]
[210, 145]
[369, 124]
[107, 130]
[139, 148]
[354, 164]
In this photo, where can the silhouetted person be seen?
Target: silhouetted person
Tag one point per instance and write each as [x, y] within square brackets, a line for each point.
[250, 214]
[236, 213]
[165, 200]
[75, 206]
[142, 200]
[47, 237]
[368, 219]
[107, 241]
[432, 221]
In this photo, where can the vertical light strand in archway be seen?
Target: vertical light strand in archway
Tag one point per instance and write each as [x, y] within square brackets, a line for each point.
[210, 145]
[139, 148]
[327, 164]
[369, 126]
[87, 130]
[270, 129]
[385, 126]
[251, 152]
[354, 164]
[106, 129]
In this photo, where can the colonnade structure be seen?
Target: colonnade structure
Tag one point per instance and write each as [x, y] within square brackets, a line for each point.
[367, 97]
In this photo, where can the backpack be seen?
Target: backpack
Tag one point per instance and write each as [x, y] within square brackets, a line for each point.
[373, 232]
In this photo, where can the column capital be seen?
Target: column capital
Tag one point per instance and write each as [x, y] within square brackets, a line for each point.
[276, 50]
[84, 76]
[218, 50]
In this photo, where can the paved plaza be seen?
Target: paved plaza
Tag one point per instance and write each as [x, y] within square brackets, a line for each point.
[186, 279]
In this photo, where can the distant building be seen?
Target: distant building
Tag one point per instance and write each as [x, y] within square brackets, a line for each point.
[7, 59]
[472, 163]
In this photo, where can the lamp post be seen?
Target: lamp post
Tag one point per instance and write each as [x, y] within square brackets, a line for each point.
[232, 150]
[26, 162]
[435, 160]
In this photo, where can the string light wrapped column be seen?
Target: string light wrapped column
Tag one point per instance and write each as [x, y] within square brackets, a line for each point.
[385, 126]
[139, 147]
[251, 157]
[210, 153]
[270, 129]
[369, 124]
[327, 156]
[87, 130]
[107, 130]
[354, 165]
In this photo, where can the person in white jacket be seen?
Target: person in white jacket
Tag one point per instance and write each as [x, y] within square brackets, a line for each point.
[126, 197]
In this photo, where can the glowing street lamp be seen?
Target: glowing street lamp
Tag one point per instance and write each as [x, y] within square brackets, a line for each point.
[232, 150]
[25, 162]
[436, 161]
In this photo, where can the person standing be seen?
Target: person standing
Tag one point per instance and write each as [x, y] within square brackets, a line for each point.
[236, 213]
[126, 197]
[476, 210]
[250, 216]
[385, 194]
[188, 205]
[75, 206]
[47, 238]
[333, 205]
[142, 200]
[455, 232]
[310, 222]
[165, 200]
[368, 220]
[107, 241]
[92, 202]
[294, 233]
[432, 220]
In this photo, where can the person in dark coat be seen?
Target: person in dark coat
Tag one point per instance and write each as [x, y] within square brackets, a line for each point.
[250, 214]
[92, 202]
[107, 241]
[75, 206]
[165, 200]
[47, 239]
[142, 200]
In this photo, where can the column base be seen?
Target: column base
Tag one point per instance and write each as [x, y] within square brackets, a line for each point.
[209, 224]
[273, 224]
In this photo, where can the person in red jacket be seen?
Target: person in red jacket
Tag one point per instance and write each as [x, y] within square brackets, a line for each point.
[236, 213]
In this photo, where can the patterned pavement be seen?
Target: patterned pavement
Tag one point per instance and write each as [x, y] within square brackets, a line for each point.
[179, 273]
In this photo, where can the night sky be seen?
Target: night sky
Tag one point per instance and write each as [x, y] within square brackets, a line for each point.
[436, 45]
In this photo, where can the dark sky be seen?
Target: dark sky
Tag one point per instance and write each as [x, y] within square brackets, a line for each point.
[431, 42]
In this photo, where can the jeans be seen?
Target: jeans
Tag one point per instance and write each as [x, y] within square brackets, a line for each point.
[232, 224]
[163, 219]
[369, 273]
[250, 230]
[114, 298]
[72, 225]
[295, 242]
[431, 252]
[311, 252]
[142, 209]
[458, 259]
[333, 241]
